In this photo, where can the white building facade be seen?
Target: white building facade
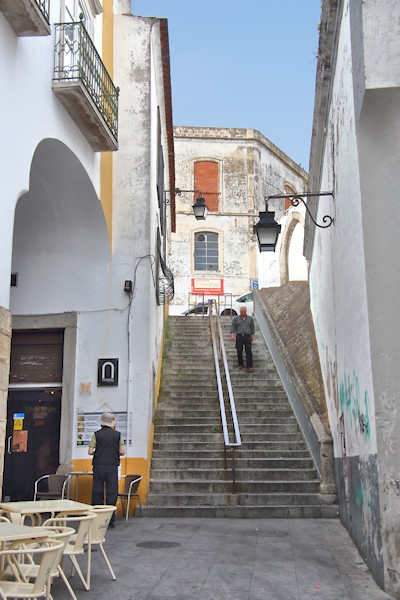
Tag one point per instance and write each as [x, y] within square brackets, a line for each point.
[83, 232]
[234, 170]
[354, 276]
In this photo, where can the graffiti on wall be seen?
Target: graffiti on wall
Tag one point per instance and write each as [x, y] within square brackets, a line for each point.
[355, 406]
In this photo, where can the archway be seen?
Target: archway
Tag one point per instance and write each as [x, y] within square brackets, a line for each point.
[61, 250]
[292, 264]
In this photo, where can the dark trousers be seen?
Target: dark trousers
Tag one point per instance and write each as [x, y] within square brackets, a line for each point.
[244, 340]
[105, 475]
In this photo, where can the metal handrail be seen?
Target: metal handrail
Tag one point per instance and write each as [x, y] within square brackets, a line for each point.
[227, 442]
[76, 59]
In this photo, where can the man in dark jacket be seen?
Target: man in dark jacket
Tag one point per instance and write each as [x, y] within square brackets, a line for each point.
[242, 332]
[106, 446]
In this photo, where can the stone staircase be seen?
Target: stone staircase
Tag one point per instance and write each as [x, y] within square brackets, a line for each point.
[275, 475]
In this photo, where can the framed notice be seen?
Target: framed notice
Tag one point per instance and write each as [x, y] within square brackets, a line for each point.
[88, 422]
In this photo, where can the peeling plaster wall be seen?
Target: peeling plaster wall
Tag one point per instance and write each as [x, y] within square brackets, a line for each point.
[379, 135]
[251, 168]
[138, 70]
[354, 281]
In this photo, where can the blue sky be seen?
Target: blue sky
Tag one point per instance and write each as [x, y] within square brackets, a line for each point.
[243, 63]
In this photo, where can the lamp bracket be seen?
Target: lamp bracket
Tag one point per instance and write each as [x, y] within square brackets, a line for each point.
[178, 192]
[295, 199]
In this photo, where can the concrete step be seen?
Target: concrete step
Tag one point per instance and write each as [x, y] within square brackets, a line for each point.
[317, 511]
[210, 437]
[281, 453]
[216, 444]
[210, 487]
[201, 473]
[242, 499]
[173, 412]
[185, 428]
[215, 463]
[204, 418]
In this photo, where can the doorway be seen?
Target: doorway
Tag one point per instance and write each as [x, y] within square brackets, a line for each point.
[32, 440]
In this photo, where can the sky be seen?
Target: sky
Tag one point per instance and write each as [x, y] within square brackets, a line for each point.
[243, 63]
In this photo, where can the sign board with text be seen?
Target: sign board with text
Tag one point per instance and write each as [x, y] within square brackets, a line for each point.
[207, 285]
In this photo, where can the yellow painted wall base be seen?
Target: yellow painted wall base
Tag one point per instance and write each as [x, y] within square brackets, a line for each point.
[128, 466]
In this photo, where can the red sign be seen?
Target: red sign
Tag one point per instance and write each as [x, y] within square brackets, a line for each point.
[210, 286]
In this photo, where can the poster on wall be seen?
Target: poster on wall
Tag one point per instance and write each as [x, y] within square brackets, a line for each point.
[19, 441]
[88, 422]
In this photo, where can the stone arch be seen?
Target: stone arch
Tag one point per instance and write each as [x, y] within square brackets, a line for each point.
[61, 246]
[294, 219]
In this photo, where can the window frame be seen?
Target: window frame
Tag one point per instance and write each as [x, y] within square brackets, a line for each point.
[217, 234]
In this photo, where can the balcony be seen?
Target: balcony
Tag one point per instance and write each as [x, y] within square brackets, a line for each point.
[27, 17]
[82, 84]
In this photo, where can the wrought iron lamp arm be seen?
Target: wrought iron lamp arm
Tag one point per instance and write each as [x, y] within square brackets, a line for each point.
[295, 199]
[178, 192]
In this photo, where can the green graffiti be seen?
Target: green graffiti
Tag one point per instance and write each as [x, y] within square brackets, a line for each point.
[354, 406]
[362, 497]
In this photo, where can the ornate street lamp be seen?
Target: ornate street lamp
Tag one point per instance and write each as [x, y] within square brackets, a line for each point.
[267, 231]
[200, 209]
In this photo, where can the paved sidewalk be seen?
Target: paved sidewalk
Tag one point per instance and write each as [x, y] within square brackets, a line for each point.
[227, 559]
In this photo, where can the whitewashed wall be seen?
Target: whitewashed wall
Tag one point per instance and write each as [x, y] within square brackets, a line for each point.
[354, 281]
[31, 113]
[60, 245]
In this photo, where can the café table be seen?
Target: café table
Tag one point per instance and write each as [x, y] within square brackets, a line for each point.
[76, 475]
[17, 511]
[15, 532]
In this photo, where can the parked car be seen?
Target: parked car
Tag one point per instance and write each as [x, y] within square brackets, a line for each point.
[226, 305]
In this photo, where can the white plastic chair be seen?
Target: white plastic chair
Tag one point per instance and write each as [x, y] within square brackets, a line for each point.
[49, 552]
[104, 512]
[29, 569]
[76, 543]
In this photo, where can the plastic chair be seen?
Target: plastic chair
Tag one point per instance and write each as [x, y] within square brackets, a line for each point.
[76, 542]
[57, 487]
[130, 492]
[104, 512]
[49, 553]
[29, 569]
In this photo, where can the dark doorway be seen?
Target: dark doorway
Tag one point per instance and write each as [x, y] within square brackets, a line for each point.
[32, 440]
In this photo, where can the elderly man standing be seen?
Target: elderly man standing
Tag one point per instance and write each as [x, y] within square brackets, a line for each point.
[242, 331]
[106, 446]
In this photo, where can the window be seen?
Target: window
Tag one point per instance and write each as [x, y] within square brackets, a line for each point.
[206, 181]
[206, 251]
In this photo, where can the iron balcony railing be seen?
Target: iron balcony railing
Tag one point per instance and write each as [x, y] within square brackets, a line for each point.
[77, 60]
[44, 7]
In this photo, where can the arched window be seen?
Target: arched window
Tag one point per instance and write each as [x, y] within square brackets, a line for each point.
[206, 181]
[205, 251]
